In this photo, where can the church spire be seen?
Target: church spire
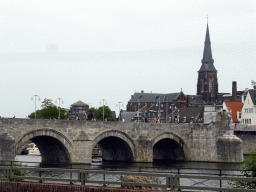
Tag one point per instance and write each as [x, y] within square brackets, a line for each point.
[207, 61]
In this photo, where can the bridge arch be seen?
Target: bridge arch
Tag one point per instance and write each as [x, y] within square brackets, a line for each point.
[115, 146]
[54, 146]
[169, 146]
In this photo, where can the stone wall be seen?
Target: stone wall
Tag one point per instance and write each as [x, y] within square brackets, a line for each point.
[249, 140]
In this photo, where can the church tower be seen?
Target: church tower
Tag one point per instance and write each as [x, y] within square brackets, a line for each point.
[207, 84]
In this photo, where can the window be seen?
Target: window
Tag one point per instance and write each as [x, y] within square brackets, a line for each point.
[209, 108]
[210, 85]
[162, 105]
[249, 110]
[202, 90]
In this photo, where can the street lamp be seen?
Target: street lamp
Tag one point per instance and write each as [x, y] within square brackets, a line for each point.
[119, 109]
[173, 113]
[166, 109]
[59, 104]
[35, 102]
[103, 106]
[159, 110]
[138, 109]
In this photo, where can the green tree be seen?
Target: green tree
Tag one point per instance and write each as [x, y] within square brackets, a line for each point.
[249, 170]
[47, 103]
[90, 112]
[107, 114]
[49, 111]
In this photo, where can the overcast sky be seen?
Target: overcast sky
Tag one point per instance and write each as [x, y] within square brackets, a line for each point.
[93, 50]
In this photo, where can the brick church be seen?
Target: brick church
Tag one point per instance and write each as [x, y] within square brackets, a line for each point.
[173, 107]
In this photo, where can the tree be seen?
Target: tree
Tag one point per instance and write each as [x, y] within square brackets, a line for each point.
[249, 170]
[90, 112]
[49, 111]
[47, 103]
[107, 114]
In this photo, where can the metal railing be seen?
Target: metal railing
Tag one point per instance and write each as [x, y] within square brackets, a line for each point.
[113, 178]
[243, 127]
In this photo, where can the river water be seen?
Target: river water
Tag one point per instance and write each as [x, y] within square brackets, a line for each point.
[161, 165]
[195, 168]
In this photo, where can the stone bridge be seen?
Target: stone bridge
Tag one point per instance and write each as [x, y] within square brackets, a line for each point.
[73, 141]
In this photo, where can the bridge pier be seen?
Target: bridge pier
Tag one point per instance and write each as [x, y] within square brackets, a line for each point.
[82, 148]
[144, 151]
[7, 149]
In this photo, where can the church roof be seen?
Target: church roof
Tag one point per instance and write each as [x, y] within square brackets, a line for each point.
[153, 97]
[207, 61]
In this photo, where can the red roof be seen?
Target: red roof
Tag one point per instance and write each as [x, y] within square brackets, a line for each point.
[234, 107]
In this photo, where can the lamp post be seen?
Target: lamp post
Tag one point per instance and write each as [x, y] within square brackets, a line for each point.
[159, 109]
[172, 113]
[138, 110]
[103, 106]
[119, 109]
[59, 105]
[166, 109]
[35, 102]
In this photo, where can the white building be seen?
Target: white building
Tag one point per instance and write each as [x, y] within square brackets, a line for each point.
[248, 113]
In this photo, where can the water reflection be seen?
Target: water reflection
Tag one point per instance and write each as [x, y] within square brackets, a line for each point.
[160, 165]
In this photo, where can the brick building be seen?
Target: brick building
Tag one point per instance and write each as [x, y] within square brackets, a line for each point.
[78, 109]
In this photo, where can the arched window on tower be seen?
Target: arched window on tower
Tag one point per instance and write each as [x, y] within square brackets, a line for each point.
[202, 83]
[210, 85]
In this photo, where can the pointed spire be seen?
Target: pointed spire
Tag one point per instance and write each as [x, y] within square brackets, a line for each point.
[207, 61]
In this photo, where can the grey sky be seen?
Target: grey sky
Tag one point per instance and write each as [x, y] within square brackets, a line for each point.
[90, 50]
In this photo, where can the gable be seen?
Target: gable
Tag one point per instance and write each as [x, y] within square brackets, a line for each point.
[248, 103]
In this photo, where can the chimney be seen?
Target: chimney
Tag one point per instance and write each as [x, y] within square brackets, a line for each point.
[234, 91]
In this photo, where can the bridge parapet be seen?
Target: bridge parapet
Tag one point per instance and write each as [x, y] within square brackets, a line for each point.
[243, 127]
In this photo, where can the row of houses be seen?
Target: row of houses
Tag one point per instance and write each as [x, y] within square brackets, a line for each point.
[181, 108]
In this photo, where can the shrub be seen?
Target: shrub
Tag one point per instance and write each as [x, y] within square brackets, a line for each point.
[249, 170]
[18, 172]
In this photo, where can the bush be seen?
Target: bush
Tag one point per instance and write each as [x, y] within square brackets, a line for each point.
[18, 172]
[249, 170]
